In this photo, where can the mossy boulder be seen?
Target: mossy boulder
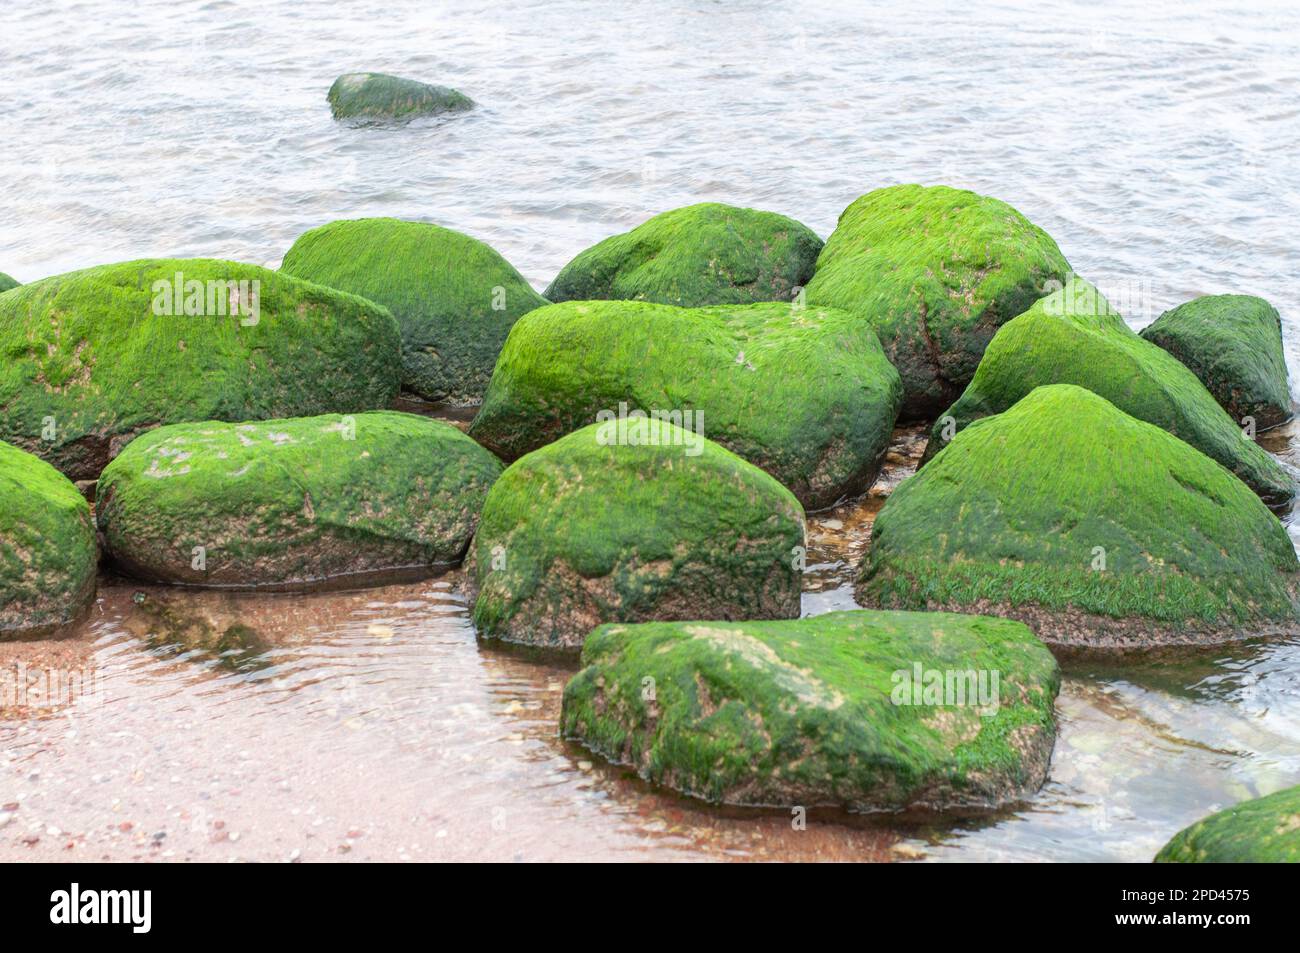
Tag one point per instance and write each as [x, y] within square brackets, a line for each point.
[868, 711]
[632, 522]
[1233, 344]
[695, 256]
[295, 503]
[92, 358]
[1263, 831]
[6, 282]
[455, 298]
[1073, 336]
[380, 97]
[935, 271]
[47, 547]
[1092, 526]
[804, 393]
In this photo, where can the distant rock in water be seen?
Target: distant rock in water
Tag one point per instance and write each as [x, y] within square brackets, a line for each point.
[804, 393]
[93, 358]
[48, 555]
[294, 503]
[935, 271]
[1263, 831]
[1074, 336]
[695, 256]
[379, 96]
[630, 521]
[455, 298]
[1093, 527]
[6, 282]
[867, 711]
[1233, 343]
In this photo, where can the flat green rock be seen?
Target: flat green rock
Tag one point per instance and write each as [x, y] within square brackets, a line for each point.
[804, 393]
[48, 554]
[693, 257]
[294, 504]
[935, 271]
[1233, 344]
[1092, 526]
[1263, 831]
[632, 523]
[455, 299]
[90, 359]
[380, 97]
[868, 711]
[1074, 336]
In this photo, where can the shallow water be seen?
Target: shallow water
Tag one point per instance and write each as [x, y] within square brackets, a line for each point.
[1161, 150]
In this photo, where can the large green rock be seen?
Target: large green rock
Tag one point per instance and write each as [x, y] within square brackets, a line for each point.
[804, 393]
[92, 358]
[695, 256]
[1092, 526]
[1073, 336]
[378, 96]
[294, 503]
[868, 711]
[6, 282]
[1263, 831]
[47, 547]
[455, 299]
[935, 271]
[1233, 344]
[633, 521]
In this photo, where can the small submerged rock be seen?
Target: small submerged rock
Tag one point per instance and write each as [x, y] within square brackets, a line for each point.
[48, 553]
[695, 256]
[1233, 344]
[632, 521]
[804, 393]
[868, 711]
[378, 96]
[1263, 831]
[1074, 336]
[935, 271]
[1094, 527]
[454, 297]
[293, 503]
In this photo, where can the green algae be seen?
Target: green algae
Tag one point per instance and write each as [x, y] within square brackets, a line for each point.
[804, 393]
[87, 361]
[293, 503]
[1263, 831]
[1233, 344]
[935, 271]
[1094, 526]
[454, 297]
[6, 282]
[379, 96]
[820, 711]
[48, 554]
[700, 255]
[1073, 336]
[612, 526]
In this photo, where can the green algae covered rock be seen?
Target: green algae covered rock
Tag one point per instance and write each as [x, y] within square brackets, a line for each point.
[804, 393]
[695, 256]
[1073, 336]
[1233, 344]
[632, 521]
[92, 358]
[935, 271]
[6, 282]
[1263, 831]
[378, 96]
[1092, 526]
[862, 710]
[294, 503]
[47, 547]
[455, 299]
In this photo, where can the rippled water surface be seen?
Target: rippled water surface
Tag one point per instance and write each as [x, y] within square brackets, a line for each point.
[1160, 147]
